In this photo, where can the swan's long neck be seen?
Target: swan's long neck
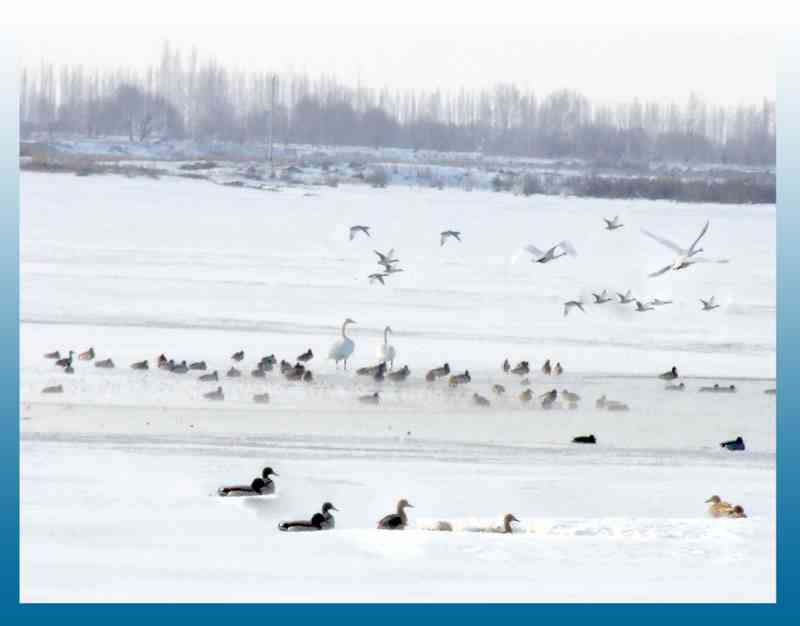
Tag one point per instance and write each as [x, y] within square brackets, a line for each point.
[386, 337]
[344, 328]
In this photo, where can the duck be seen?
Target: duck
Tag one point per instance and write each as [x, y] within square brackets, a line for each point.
[198, 365]
[733, 445]
[460, 379]
[69, 369]
[258, 372]
[547, 370]
[549, 396]
[308, 377]
[140, 365]
[238, 356]
[162, 361]
[615, 405]
[678, 387]
[233, 373]
[437, 372]
[255, 488]
[181, 368]
[498, 390]
[53, 389]
[600, 403]
[570, 396]
[480, 400]
[400, 375]
[737, 512]
[105, 363]
[207, 378]
[380, 373]
[373, 398]
[559, 370]
[285, 366]
[259, 487]
[369, 370]
[65, 361]
[316, 522]
[521, 368]
[267, 362]
[526, 396]
[506, 366]
[215, 395]
[584, 439]
[342, 349]
[718, 507]
[52, 355]
[386, 352]
[504, 529]
[261, 398]
[398, 520]
[306, 356]
[445, 234]
[296, 373]
[88, 355]
[670, 375]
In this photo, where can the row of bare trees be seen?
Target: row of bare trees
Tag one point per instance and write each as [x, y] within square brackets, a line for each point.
[185, 96]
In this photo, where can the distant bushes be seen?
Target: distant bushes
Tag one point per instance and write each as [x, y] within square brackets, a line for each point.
[378, 177]
[738, 190]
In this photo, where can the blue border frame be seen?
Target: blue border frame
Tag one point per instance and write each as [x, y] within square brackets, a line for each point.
[788, 430]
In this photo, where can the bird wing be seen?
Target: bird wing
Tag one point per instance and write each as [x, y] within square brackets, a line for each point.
[567, 247]
[380, 256]
[366, 231]
[701, 259]
[663, 270]
[443, 239]
[566, 309]
[534, 251]
[608, 221]
[352, 234]
[699, 237]
[457, 235]
[665, 242]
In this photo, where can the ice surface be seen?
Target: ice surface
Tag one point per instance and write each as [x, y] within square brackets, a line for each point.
[117, 472]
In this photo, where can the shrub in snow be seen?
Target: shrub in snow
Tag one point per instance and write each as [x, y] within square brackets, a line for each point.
[377, 177]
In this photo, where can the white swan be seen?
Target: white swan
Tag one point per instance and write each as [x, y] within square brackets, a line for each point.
[641, 308]
[354, 230]
[625, 298]
[545, 257]
[341, 350]
[613, 224]
[573, 304]
[686, 256]
[386, 352]
[601, 298]
[455, 234]
[709, 305]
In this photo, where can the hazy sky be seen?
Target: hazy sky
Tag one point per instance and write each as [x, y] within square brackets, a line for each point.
[607, 63]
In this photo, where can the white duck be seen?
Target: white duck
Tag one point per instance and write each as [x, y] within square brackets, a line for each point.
[386, 352]
[545, 257]
[342, 349]
[686, 256]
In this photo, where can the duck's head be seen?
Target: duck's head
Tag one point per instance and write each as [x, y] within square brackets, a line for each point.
[674, 370]
[267, 472]
[404, 504]
[738, 511]
[714, 500]
[328, 507]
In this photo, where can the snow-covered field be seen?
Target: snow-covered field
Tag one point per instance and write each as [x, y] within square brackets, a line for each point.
[118, 471]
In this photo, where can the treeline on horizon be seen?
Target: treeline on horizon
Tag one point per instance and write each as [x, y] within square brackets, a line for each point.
[185, 96]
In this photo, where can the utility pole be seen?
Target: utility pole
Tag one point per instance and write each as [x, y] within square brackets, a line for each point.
[271, 117]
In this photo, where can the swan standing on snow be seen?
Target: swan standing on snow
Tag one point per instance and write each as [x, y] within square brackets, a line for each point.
[613, 224]
[354, 230]
[709, 305]
[386, 353]
[341, 350]
[455, 234]
[686, 256]
[545, 257]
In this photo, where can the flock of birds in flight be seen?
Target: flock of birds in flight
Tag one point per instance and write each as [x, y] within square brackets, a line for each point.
[686, 257]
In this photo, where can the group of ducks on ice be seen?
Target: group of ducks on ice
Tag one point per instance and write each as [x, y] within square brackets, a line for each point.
[325, 520]
[686, 257]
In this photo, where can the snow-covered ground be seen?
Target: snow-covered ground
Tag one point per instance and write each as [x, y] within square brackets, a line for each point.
[118, 472]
